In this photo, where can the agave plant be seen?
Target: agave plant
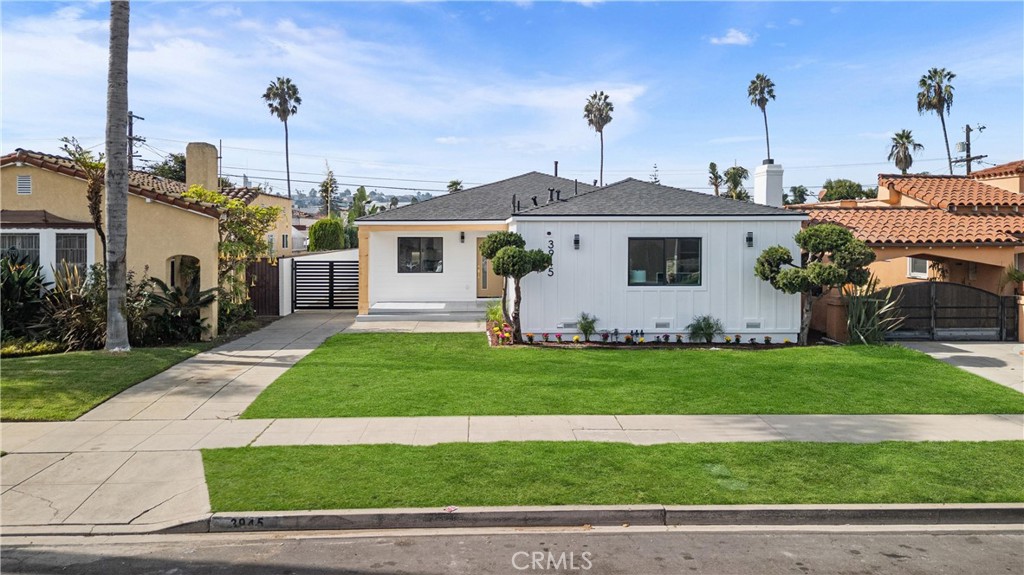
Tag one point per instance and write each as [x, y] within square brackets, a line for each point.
[21, 295]
[179, 311]
[871, 313]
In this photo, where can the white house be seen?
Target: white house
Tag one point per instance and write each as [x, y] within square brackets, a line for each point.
[639, 256]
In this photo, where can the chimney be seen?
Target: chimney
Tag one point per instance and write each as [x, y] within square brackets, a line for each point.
[768, 185]
[556, 168]
[201, 165]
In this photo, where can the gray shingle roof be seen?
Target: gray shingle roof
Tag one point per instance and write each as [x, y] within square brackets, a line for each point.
[486, 202]
[633, 197]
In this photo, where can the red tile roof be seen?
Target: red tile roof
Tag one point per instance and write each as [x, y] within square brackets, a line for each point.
[1008, 169]
[139, 183]
[943, 191]
[879, 225]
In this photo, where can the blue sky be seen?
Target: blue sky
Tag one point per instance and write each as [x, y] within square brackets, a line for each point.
[412, 94]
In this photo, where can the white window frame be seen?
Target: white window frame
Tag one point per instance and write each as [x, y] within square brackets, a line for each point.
[24, 184]
[917, 275]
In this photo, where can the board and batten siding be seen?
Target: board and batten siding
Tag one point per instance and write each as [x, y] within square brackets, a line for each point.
[594, 278]
[457, 281]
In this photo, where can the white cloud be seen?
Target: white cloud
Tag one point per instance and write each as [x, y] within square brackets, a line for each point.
[733, 37]
[734, 139]
[796, 22]
[451, 140]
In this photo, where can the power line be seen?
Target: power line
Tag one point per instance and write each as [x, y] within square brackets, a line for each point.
[347, 176]
[340, 184]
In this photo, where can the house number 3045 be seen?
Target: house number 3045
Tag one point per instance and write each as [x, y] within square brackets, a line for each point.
[551, 252]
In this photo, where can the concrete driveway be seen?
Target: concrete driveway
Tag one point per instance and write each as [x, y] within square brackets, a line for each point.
[1001, 362]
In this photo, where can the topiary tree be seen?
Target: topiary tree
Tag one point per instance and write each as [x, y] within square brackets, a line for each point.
[327, 234]
[830, 257]
[510, 259]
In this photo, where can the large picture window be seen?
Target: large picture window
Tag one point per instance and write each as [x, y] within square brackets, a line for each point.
[420, 255]
[664, 262]
[73, 249]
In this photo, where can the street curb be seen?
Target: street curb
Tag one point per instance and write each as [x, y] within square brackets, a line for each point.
[557, 516]
[567, 516]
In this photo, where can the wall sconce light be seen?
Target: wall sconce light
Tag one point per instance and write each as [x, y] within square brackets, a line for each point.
[462, 237]
[576, 242]
[750, 239]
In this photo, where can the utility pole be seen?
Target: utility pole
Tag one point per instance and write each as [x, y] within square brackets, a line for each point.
[969, 159]
[132, 139]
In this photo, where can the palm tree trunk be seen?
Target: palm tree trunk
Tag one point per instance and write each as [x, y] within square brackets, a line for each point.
[949, 156]
[116, 176]
[602, 158]
[766, 142]
[287, 164]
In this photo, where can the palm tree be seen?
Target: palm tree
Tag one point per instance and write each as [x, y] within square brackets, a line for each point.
[734, 178]
[454, 186]
[715, 180]
[598, 113]
[282, 98]
[902, 151]
[761, 90]
[936, 95]
[116, 177]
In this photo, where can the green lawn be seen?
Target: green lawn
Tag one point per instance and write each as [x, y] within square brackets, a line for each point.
[405, 374]
[568, 473]
[63, 386]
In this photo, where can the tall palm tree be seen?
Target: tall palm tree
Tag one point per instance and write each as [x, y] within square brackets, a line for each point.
[936, 95]
[116, 176]
[734, 178]
[598, 113]
[715, 180]
[902, 151]
[760, 90]
[282, 98]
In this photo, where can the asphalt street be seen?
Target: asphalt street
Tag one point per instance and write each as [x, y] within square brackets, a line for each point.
[977, 550]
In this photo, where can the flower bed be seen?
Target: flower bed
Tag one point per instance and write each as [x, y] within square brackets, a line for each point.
[501, 334]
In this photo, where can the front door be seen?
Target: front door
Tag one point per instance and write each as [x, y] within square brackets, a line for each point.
[488, 284]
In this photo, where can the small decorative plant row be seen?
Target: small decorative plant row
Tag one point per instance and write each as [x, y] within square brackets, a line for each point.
[501, 334]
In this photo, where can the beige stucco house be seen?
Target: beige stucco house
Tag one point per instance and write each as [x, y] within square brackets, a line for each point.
[170, 237]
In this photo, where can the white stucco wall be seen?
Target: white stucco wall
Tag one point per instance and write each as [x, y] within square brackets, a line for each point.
[594, 278]
[457, 281]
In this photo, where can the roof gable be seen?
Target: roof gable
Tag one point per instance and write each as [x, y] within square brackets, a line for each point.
[1002, 170]
[487, 202]
[632, 197]
[945, 191]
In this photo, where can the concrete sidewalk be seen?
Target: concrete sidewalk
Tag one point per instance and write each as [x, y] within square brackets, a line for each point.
[133, 462]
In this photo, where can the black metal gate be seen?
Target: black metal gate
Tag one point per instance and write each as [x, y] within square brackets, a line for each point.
[263, 278]
[949, 311]
[325, 285]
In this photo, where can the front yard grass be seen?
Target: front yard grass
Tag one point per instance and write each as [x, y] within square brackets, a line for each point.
[580, 473]
[408, 374]
[63, 386]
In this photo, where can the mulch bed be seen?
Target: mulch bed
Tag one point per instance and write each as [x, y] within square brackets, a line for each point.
[496, 340]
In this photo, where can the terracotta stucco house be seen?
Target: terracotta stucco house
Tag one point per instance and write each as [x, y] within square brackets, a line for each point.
[170, 237]
[958, 229]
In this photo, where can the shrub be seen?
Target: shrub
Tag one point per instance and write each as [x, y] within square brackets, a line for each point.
[234, 317]
[586, 324]
[178, 319]
[327, 234]
[705, 328]
[21, 295]
[24, 347]
[75, 309]
[870, 314]
[494, 312]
